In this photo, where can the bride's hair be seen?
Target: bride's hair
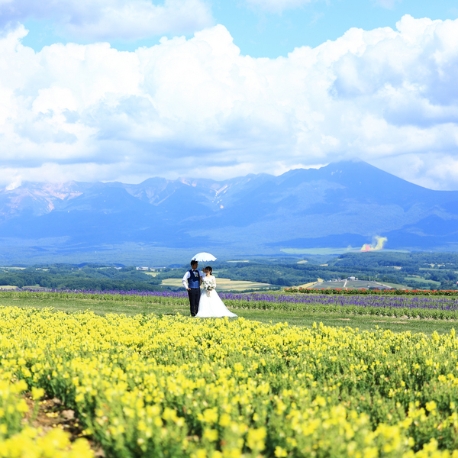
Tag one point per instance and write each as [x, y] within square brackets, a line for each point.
[209, 268]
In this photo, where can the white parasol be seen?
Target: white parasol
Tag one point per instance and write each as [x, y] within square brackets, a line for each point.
[203, 257]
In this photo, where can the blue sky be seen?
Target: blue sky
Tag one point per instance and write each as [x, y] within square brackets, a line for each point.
[124, 90]
[265, 32]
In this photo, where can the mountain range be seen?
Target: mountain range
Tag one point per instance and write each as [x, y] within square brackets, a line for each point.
[338, 206]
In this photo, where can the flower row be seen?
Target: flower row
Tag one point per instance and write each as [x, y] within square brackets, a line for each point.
[175, 386]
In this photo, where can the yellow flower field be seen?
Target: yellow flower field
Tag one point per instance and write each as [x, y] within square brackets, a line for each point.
[179, 387]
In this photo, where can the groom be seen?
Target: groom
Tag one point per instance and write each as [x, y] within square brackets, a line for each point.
[191, 281]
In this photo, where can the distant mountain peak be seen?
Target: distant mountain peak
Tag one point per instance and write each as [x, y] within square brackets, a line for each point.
[339, 204]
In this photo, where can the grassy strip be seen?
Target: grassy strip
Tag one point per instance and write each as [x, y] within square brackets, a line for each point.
[166, 301]
[384, 292]
[82, 295]
[347, 309]
[304, 317]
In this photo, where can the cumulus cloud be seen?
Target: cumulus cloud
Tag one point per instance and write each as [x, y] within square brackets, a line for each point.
[198, 107]
[112, 19]
[277, 6]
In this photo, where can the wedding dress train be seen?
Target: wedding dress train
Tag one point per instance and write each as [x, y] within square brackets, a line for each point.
[210, 305]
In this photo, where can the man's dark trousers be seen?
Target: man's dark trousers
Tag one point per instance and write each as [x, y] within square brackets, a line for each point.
[194, 298]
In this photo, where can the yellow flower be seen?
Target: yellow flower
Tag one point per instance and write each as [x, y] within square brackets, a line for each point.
[431, 406]
[211, 435]
[37, 393]
[256, 437]
[280, 452]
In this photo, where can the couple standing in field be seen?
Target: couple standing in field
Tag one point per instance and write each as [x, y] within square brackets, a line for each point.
[205, 303]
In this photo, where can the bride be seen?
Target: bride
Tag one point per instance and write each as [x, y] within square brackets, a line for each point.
[210, 304]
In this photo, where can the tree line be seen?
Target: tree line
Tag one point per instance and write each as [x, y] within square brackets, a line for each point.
[417, 270]
[88, 277]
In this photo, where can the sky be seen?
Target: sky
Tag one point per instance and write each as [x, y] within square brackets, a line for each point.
[125, 90]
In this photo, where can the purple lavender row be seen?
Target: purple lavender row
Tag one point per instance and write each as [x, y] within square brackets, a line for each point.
[412, 302]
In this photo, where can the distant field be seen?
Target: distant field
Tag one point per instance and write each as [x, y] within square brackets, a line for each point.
[223, 284]
[327, 251]
[308, 285]
[423, 280]
[397, 286]
[353, 284]
[322, 251]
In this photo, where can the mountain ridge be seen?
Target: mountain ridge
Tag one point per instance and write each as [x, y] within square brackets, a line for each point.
[303, 208]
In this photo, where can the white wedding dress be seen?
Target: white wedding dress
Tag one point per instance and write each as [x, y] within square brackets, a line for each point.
[210, 305]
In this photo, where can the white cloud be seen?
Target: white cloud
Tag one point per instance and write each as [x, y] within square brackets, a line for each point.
[277, 6]
[112, 19]
[198, 107]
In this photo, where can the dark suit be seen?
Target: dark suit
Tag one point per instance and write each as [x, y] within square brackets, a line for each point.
[194, 291]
